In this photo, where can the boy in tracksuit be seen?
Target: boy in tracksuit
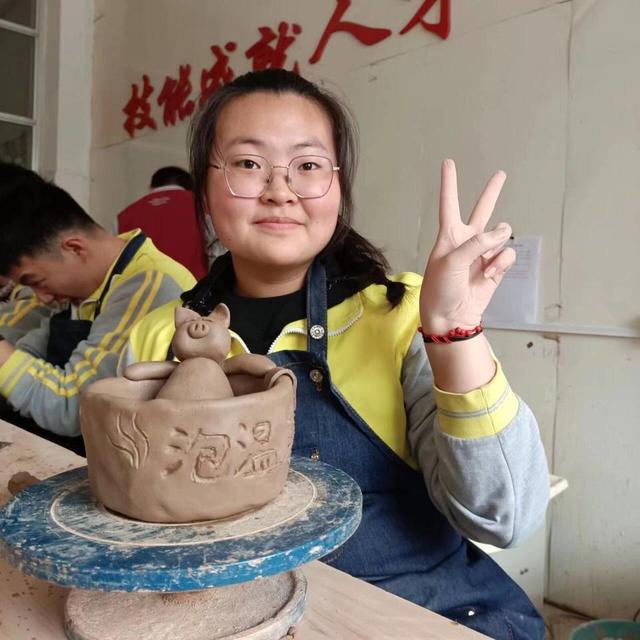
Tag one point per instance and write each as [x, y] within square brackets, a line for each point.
[50, 244]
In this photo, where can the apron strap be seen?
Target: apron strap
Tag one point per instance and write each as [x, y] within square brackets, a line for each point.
[317, 310]
[121, 264]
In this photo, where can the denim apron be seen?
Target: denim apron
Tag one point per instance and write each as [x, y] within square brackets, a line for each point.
[404, 544]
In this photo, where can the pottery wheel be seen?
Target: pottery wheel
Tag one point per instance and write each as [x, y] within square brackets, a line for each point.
[257, 610]
[56, 531]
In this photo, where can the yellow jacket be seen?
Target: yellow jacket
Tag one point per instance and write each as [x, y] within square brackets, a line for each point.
[50, 394]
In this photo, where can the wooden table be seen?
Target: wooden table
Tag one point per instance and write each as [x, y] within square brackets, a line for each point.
[338, 606]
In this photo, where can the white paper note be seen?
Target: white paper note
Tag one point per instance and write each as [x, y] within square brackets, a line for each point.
[516, 299]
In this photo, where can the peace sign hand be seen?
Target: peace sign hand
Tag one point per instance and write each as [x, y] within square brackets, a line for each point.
[467, 263]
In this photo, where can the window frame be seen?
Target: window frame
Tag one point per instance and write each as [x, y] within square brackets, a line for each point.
[32, 122]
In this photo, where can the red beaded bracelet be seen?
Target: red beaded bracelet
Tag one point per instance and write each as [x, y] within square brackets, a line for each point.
[455, 335]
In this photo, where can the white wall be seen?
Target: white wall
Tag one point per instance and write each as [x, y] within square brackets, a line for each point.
[595, 542]
[546, 90]
[63, 94]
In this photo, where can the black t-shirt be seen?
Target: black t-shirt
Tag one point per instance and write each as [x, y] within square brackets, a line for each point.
[259, 321]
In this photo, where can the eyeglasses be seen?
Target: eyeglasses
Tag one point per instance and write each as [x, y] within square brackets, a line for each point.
[248, 176]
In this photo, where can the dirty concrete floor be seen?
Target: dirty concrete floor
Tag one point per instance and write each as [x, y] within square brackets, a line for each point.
[560, 623]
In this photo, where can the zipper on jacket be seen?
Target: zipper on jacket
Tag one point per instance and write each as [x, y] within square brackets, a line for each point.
[330, 334]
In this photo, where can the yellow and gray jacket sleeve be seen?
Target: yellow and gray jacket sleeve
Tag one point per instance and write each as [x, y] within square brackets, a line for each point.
[49, 394]
[21, 313]
[480, 453]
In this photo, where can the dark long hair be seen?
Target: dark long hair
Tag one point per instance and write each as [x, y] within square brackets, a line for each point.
[356, 258]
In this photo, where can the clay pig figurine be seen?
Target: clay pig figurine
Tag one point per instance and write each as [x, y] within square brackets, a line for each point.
[199, 439]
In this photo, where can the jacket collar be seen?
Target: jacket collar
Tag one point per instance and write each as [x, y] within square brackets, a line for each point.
[340, 318]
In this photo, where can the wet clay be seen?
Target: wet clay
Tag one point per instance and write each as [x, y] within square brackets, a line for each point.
[20, 481]
[200, 439]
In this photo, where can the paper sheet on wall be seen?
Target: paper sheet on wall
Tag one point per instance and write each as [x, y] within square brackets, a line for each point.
[516, 299]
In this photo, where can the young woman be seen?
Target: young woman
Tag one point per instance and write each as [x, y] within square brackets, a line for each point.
[441, 447]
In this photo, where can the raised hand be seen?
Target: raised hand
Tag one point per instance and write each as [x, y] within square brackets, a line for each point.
[467, 263]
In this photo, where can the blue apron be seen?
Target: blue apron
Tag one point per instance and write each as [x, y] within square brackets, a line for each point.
[404, 544]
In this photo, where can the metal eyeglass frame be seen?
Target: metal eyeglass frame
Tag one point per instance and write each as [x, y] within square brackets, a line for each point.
[270, 178]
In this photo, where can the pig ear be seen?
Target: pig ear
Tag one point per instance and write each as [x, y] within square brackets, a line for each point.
[183, 315]
[221, 314]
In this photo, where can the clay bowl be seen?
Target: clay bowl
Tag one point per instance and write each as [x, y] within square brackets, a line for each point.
[171, 461]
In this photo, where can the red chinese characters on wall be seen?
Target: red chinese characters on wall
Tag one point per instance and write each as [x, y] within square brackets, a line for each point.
[366, 35]
[174, 97]
[265, 54]
[138, 109]
[219, 74]
[442, 28]
[270, 51]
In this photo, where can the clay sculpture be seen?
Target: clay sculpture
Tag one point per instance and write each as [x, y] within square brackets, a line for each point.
[199, 439]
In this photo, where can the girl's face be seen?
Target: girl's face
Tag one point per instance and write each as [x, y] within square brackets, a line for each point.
[277, 230]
